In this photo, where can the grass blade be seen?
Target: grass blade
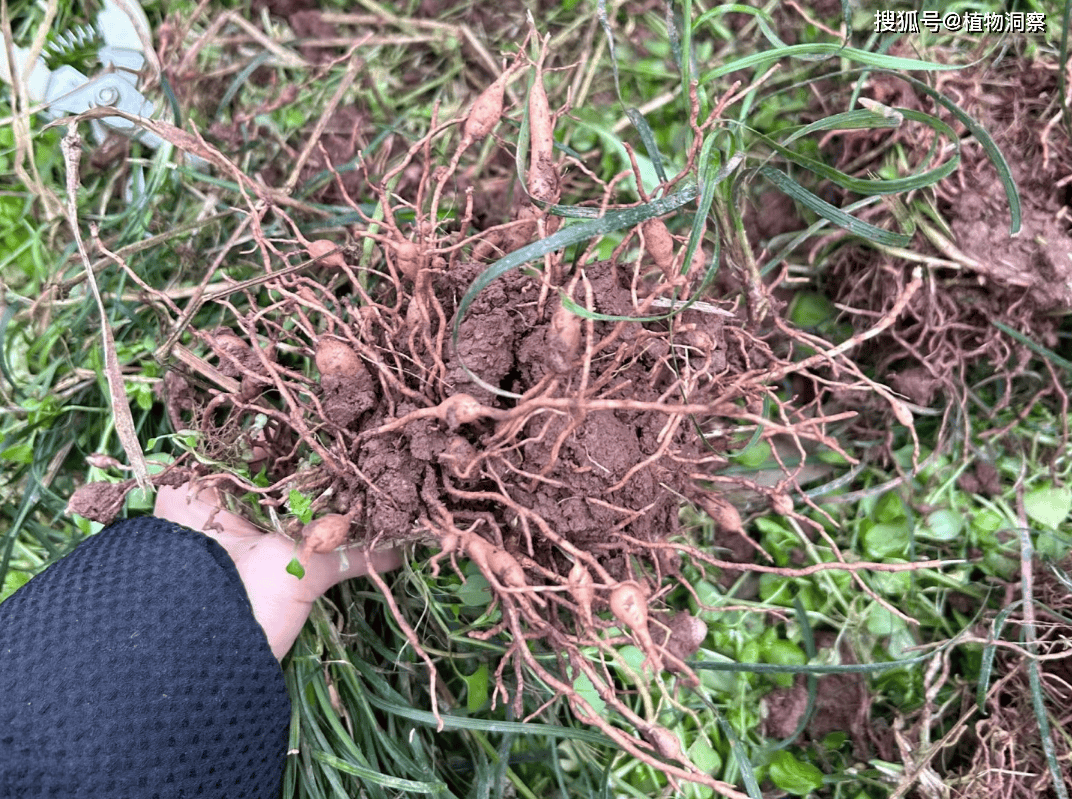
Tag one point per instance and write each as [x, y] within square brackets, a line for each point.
[832, 213]
[1034, 346]
[988, 144]
[824, 49]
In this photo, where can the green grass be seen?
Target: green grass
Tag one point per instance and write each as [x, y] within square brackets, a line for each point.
[362, 698]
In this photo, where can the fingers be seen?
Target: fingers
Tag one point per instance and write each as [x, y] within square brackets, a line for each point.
[200, 508]
[281, 602]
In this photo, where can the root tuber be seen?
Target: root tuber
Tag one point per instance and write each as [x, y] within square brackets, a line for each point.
[660, 245]
[486, 112]
[584, 592]
[461, 409]
[325, 534]
[629, 604]
[407, 259]
[335, 358]
[326, 251]
[563, 339]
[543, 180]
[725, 516]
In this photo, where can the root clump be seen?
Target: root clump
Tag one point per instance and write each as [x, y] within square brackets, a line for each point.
[551, 444]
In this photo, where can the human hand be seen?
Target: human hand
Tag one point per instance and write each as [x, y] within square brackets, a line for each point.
[281, 602]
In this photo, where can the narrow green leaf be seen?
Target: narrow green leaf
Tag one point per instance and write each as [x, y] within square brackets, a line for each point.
[647, 137]
[740, 757]
[988, 144]
[1034, 346]
[879, 186]
[858, 119]
[824, 209]
[395, 783]
[461, 723]
[824, 49]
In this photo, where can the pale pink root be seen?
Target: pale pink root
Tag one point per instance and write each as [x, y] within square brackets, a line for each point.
[281, 602]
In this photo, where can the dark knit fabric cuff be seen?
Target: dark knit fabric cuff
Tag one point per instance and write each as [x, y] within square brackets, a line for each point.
[134, 667]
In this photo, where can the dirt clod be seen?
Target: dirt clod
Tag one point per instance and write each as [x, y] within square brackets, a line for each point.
[100, 502]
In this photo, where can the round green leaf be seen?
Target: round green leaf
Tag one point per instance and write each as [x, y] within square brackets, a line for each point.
[704, 757]
[476, 685]
[811, 310]
[475, 592]
[1048, 506]
[793, 776]
[942, 525]
[785, 653]
[632, 658]
[886, 540]
[584, 688]
[755, 455]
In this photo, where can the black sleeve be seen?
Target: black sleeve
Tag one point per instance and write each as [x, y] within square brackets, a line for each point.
[134, 667]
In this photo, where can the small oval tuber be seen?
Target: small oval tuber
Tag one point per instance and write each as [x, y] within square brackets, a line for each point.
[407, 259]
[230, 343]
[507, 569]
[563, 339]
[333, 357]
[461, 409]
[666, 743]
[725, 516]
[629, 604]
[584, 593]
[326, 533]
[543, 179]
[781, 503]
[326, 251]
[681, 633]
[486, 111]
[660, 245]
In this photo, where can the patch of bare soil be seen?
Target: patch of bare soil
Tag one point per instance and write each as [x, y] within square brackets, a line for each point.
[842, 704]
[982, 274]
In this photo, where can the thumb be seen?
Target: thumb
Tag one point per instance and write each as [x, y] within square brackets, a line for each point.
[281, 601]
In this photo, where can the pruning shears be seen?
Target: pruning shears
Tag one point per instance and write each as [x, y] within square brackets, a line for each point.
[121, 27]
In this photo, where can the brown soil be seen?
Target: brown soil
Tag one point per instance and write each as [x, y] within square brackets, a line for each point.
[842, 704]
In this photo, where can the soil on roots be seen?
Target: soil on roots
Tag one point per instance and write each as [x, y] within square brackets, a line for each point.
[585, 446]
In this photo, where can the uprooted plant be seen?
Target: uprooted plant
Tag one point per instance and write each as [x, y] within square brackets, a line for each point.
[494, 387]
